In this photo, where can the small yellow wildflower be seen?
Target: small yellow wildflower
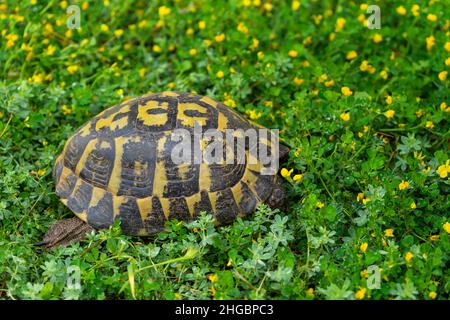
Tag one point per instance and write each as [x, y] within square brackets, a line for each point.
[118, 32]
[432, 17]
[446, 227]
[193, 52]
[329, 83]
[104, 28]
[201, 25]
[119, 92]
[403, 185]
[384, 75]
[409, 256]
[242, 28]
[85, 6]
[171, 85]
[359, 196]
[285, 173]
[340, 23]
[447, 46]
[189, 31]
[66, 110]
[364, 6]
[388, 99]
[156, 48]
[359, 295]
[142, 72]
[434, 237]
[351, 55]
[444, 107]
[309, 292]
[377, 38]
[220, 74]
[415, 10]
[430, 41]
[50, 50]
[432, 295]
[364, 273]
[219, 37]
[413, 205]
[444, 170]
[346, 91]
[443, 75]
[298, 81]
[345, 116]
[295, 5]
[292, 53]
[320, 204]
[389, 233]
[163, 11]
[447, 61]
[429, 125]
[401, 10]
[298, 177]
[389, 114]
[213, 277]
[364, 246]
[260, 55]
[72, 69]
[365, 200]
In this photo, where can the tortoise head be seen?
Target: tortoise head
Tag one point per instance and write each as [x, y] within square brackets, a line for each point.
[277, 199]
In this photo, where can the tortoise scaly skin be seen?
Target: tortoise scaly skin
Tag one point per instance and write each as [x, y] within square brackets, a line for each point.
[119, 166]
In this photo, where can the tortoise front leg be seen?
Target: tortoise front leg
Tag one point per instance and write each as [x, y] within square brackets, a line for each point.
[64, 232]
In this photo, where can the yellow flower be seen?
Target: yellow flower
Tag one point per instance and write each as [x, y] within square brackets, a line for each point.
[255, 44]
[432, 295]
[213, 277]
[171, 85]
[345, 116]
[403, 185]
[359, 295]
[409, 256]
[295, 5]
[119, 92]
[351, 55]
[163, 11]
[118, 32]
[364, 273]
[298, 177]
[340, 23]
[447, 61]
[429, 125]
[156, 48]
[219, 37]
[447, 46]
[142, 72]
[363, 247]
[66, 110]
[85, 6]
[430, 41]
[285, 173]
[309, 292]
[320, 204]
[389, 233]
[260, 55]
[190, 31]
[389, 114]
[50, 50]
[193, 52]
[444, 170]
[242, 28]
[432, 17]
[293, 53]
[268, 6]
[443, 75]
[346, 91]
[365, 200]
[359, 196]
[415, 10]
[401, 10]
[329, 83]
[413, 205]
[201, 25]
[220, 74]
[388, 99]
[298, 81]
[434, 237]
[446, 227]
[384, 74]
[104, 28]
[72, 69]
[63, 4]
[377, 38]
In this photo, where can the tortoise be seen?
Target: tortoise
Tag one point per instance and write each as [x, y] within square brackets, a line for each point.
[119, 166]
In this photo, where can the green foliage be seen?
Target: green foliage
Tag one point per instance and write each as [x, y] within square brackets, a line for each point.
[370, 174]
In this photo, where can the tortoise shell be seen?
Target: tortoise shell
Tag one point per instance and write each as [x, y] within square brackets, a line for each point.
[118, 166]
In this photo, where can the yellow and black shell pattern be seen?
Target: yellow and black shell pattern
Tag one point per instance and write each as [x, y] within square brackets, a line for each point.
[118, 166]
